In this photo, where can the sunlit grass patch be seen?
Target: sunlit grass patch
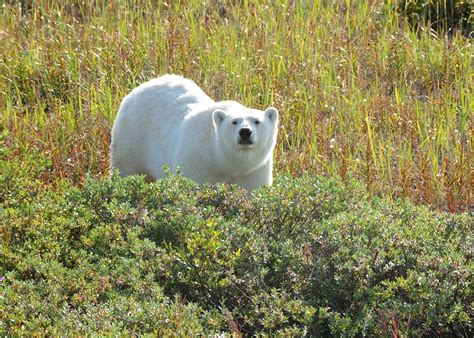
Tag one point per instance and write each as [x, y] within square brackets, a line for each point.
[360, 92]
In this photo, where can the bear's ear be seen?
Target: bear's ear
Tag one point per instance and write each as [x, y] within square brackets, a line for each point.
[272, 114]
[218, 116]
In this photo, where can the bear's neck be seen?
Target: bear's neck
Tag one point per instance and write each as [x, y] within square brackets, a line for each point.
[233, 164]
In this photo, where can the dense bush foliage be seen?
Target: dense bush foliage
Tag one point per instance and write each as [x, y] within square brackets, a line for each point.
[308, 255]
[440, 14]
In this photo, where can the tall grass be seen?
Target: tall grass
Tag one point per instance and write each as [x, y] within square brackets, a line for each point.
[360, 93]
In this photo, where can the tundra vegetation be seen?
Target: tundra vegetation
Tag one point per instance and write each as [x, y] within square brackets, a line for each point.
[366, 231]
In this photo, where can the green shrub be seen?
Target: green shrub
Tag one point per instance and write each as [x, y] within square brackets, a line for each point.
[306, 256]
[439, 14]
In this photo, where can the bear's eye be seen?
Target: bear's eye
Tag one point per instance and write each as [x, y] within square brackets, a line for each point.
[234, 123]
[257, 122]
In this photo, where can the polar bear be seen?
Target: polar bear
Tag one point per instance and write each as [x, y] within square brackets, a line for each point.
[171, 121]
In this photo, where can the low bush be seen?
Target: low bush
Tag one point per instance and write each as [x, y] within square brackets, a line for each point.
[441, 15]
[306, 256]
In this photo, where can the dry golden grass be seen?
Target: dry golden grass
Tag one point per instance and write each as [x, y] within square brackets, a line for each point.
[359, 93]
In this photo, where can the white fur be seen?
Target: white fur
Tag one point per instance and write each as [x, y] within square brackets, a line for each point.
[171, 121]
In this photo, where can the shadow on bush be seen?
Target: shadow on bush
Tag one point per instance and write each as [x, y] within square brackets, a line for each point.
[441, 15]
[306, 256]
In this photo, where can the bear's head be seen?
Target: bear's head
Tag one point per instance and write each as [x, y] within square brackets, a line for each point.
[246, 132]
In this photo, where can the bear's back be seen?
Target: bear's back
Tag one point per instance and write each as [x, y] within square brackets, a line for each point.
[148, 123]
[166, 94]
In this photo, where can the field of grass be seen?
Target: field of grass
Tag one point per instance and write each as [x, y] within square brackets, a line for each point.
[360, 94]
[370, 109]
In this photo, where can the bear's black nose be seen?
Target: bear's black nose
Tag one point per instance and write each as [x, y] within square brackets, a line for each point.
[245, 133]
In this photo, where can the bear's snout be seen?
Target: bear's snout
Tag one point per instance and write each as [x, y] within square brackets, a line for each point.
[245, 133]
